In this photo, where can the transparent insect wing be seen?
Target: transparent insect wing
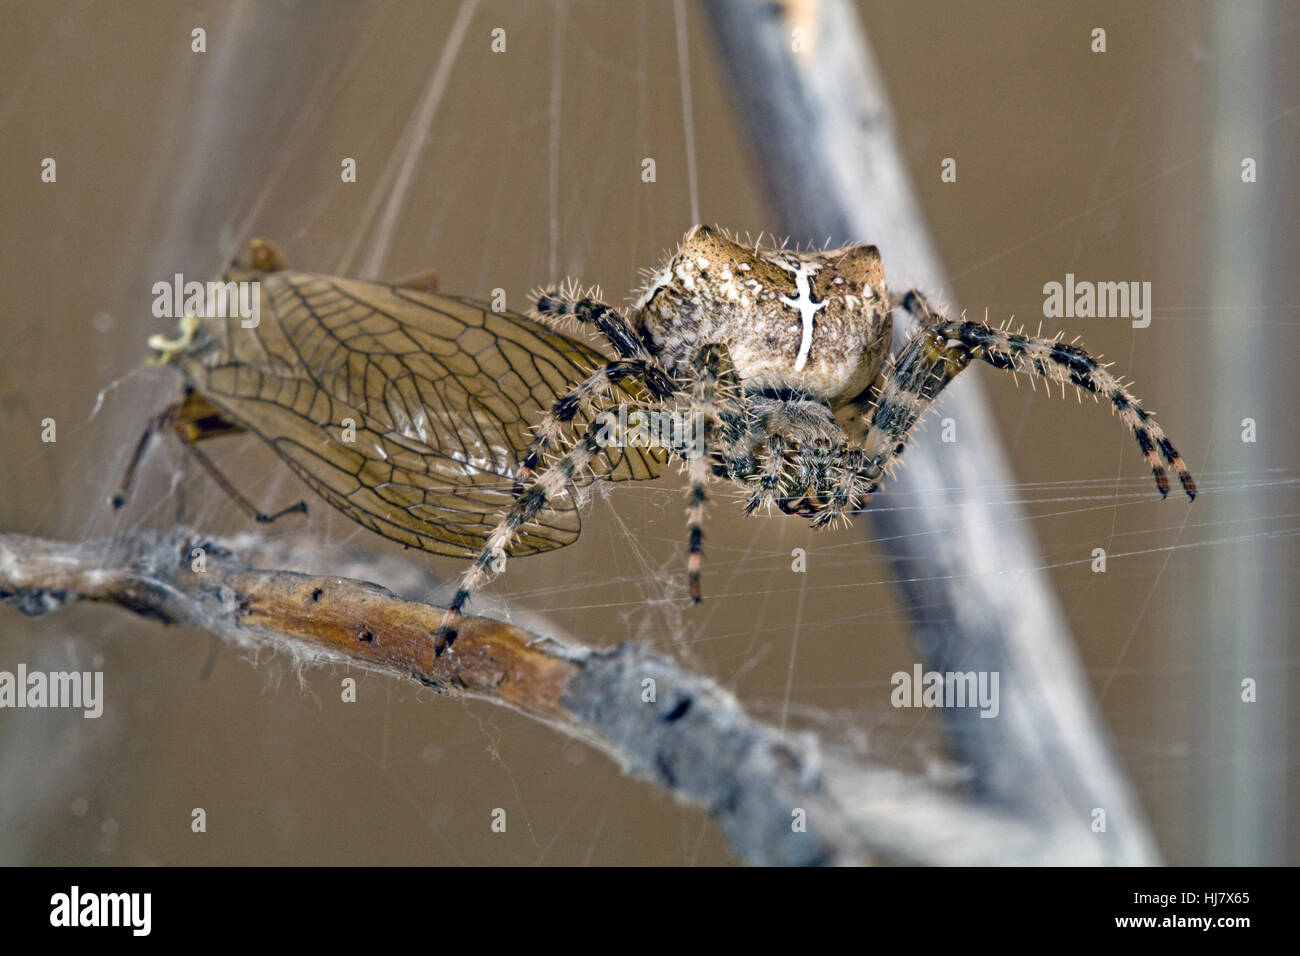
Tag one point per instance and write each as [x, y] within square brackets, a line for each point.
[441, 394]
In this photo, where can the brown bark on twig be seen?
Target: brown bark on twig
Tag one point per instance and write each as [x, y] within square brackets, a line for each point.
[328, 617]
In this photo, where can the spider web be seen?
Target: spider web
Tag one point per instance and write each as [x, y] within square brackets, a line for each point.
[511, 170]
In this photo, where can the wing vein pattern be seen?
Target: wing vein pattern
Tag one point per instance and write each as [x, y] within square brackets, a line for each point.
[442, 393]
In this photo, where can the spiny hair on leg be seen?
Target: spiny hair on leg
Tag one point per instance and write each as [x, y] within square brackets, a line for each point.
[556, 306]
[1069, 364]
[548, 484]
[773, 470]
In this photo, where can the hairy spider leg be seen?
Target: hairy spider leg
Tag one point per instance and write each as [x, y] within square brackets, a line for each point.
[770, 471]
[549, 483]
[716, 407]
[714, 398]
[564, 304]
[930, 361]
[600, 384]
[850, 492]
[557, 306]
[797, 472]
[811, 485]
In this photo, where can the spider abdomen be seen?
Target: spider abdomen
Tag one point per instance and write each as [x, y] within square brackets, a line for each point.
[815, 322]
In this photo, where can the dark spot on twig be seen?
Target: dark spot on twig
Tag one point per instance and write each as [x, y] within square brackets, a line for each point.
[365, 635]
[678, 712]
[666, 772]
[316, 593]
[430, 682]
[36, 603]
[727, 803]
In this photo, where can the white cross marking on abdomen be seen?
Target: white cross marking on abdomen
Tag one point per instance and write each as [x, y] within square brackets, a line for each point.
[805, 305]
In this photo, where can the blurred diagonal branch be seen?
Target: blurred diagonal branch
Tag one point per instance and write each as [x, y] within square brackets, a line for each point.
[820, 129]
[780, 799]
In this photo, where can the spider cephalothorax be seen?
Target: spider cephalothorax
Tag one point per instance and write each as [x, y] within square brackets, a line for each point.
[781, 356]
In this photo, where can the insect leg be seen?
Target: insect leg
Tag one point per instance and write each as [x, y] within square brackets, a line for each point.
[550, 482]
[197, 419]
[156, 424]
[194, 419]
[232, 492]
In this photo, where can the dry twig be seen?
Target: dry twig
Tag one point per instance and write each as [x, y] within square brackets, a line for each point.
[694, 739]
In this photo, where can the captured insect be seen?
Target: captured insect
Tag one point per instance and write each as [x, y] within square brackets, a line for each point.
[779, 359]
[407, 410]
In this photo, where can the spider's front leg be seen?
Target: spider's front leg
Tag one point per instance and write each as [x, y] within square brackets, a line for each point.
[566, 304]
[852, 488]
[802, 439]
[940, 349]
[599, 385]
[550, 482]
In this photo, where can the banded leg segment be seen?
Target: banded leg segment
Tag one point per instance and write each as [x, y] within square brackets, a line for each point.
[699, 499]
[550, 483]
[599, 385]
[770, 472]
[850, 491]
[922, 370]
[940, 351]
[565, 304]
[715, 408]
[1067, 364]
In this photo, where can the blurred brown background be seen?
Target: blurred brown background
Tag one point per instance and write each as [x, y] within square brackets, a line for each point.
[1119, 166]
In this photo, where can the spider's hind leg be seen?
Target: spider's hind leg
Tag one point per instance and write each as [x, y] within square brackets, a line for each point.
[942, 348]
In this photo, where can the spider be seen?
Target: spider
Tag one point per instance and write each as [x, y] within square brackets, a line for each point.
[784, 358]
[408, 410]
